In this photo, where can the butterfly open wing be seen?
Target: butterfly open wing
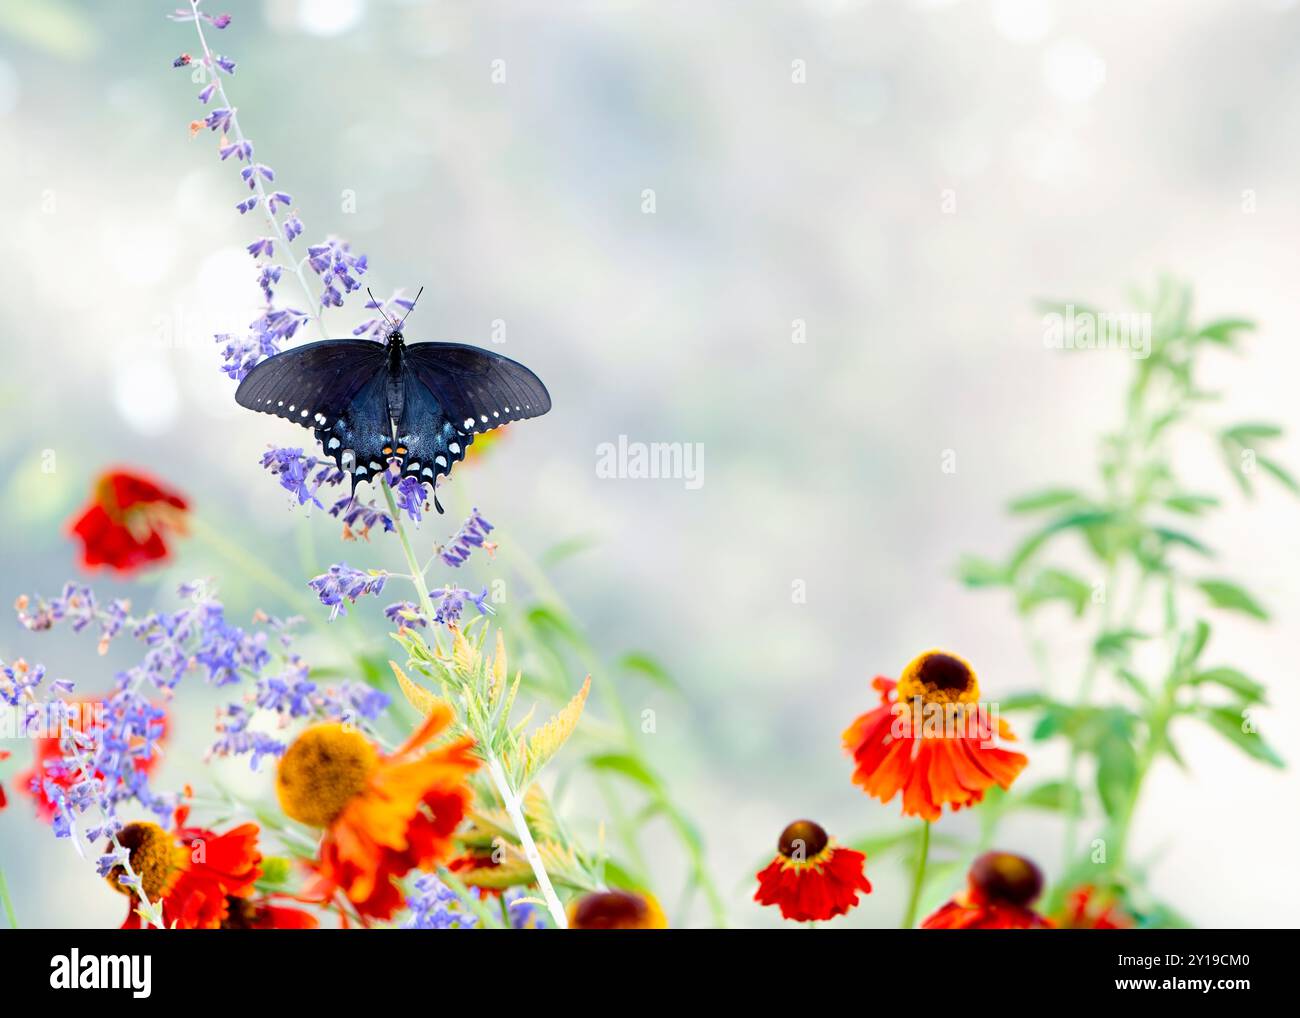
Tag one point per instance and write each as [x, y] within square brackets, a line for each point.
[337, 387]
[342, 389]
[453, 392]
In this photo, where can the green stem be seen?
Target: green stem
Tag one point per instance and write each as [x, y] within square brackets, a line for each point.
[1074, 803]
[1157, 727]
[471, 901]
[609, 693]
[250, 565]
[5, 900]
[918, 878]
[417, 574]
[509, 798]
[515, 811]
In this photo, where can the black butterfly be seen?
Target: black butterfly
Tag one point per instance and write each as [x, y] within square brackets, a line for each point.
[371, 403]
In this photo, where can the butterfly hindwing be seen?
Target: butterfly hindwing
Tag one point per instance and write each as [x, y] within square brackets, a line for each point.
[432, 443]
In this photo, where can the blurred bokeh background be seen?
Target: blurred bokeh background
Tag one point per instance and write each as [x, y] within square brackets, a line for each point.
[940, 166]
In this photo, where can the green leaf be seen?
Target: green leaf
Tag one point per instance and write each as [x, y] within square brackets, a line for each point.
[566, 549]
[1280, 473]
[1243, 434]
[1053, 795]
[1057, 585]
[1114, 645]
[1223, 330]
[1229, 678]
[618, 875]
[979, 572]
[1192, 505]
[1072, 521]
[1117, 769]
[1168, 535]
[648, 668]
[1230, 597]
[1227, 721]
[1134, 682]
[276, 871]
[1051, 498]
[550, 738]
[1192, 644]
[628, 766]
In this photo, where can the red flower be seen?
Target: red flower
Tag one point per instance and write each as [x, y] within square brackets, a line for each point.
[33, 781]
[193, 872]
[124, 524]
[931, 739]
[1093, 908]
[1000, 889]
[812, 878]
[4, 755]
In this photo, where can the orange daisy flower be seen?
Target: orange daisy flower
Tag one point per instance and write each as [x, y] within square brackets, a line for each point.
[812, 878]
[383, 815]
[193, 872]
[616, 910]
[1093, 908]
[1000, 889]
[126, 520]
[931, 739]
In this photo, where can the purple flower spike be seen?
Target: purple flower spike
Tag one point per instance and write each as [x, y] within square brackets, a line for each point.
[472, 534]
[218, 120]
[344, 583]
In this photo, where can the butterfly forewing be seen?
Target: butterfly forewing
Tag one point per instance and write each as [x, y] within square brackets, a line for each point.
[337, 388]
[476, 389]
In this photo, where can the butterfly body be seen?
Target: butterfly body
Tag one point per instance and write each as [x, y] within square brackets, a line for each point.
[375, 407]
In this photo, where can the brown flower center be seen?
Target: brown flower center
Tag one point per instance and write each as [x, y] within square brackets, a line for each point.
[939, 677]
[803, 840]
[1007, 878]
[611, 910]
[153, 855]
[322, 771]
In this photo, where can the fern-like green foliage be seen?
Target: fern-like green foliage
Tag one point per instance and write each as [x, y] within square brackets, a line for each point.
[1124, 556]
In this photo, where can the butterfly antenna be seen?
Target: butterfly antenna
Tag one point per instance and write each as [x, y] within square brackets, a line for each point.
[410, 309]
[380, 308]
